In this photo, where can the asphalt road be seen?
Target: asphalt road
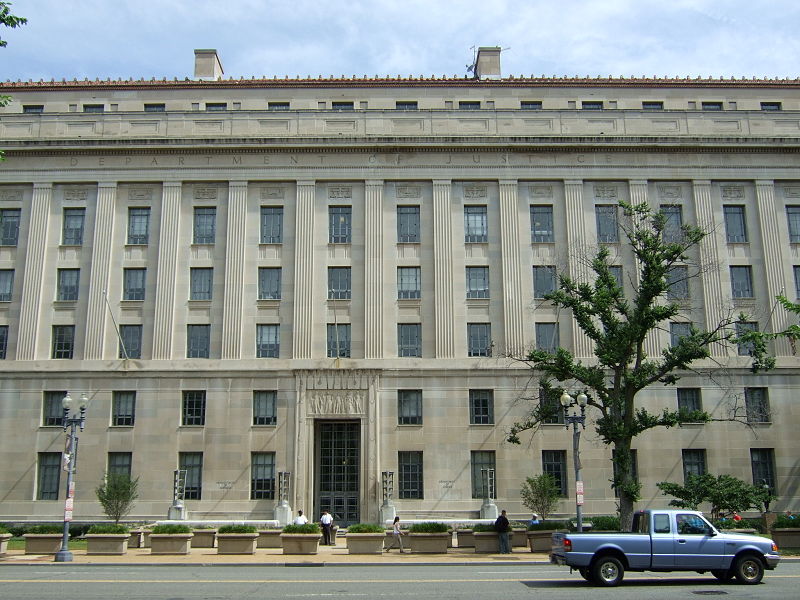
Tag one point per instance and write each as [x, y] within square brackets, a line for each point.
[479, 582]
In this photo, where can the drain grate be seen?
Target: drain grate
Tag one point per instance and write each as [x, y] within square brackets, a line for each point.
[711, 593]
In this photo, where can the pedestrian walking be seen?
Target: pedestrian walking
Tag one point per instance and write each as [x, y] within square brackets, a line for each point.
[397, 536]
[326, 521]
[503, 527]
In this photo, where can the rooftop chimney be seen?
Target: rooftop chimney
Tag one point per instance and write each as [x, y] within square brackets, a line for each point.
[207, 65]
[487, 65]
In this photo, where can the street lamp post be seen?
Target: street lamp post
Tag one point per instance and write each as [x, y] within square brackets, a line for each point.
[73, 421]
[576, 420]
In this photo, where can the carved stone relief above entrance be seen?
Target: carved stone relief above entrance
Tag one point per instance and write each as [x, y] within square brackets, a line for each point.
[326, 403]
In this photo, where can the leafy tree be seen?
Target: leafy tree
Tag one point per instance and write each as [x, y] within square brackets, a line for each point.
[9, 20]
[617, 327]
[540, 494]
[726, 494]
[117, 494]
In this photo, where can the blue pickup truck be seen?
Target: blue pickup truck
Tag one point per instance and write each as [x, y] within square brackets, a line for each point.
[665, 540]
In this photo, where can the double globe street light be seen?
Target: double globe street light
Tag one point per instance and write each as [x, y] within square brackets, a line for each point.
[576, 420]
[73, 421]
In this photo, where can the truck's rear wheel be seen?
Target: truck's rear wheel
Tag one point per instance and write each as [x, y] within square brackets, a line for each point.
[748, 569]
[585, 573]
[722, 574]
[607, 571]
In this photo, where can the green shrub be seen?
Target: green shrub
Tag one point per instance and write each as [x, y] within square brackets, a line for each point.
[195, 527]
[786, 522]
[483, 527]
[428, 527]
[4, 529]
[550, 525]
[77, 530]
[604, 523]
[45, 529]
[743, 524]
[170, 529]
[108, 528]
[540, 494]
[365, 528]
[238, 529]
[307, 528]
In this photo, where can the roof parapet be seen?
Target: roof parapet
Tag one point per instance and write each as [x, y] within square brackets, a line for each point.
[487, 64]
[207, 65]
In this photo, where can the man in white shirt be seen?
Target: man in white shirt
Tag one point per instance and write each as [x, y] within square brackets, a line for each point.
[300, 519]
[326, 520]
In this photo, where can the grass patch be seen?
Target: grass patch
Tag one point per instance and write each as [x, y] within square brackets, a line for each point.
[307, 528]
[365, 528]
[429, 527]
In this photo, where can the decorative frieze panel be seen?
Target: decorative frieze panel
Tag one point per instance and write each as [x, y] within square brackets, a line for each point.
[732, 192]
[273, 193]
[10, 195]
[140, 194]
[323, 403]
[409, 191]
[338, 379]
[475, 192]
[606, 192]
[73, 194]
[206, 193]
[792, 191]
[670, 192]
[541, 191]
[340, 192]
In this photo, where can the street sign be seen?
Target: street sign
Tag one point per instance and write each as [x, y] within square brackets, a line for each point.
[580, 500]
[579, 487]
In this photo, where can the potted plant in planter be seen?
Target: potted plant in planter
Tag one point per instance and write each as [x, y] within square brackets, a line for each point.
[365, 538]
[301, 539]
[519, 534]
[540, 536]
[237, 539]
[43, 539]
[429, 537]
[204, 536]
[5, 535]
[465, 537]
[269, 538]
[486, 538]
[786, 531]
[107, 539]
[170, 539]
[540, 494]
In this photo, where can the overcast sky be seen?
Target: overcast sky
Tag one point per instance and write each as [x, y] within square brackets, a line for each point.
[156, 38]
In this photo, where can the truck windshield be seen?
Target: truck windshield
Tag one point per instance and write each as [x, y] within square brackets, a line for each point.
[691, 525]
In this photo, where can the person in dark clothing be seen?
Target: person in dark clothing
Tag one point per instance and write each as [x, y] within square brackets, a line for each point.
[502, 527]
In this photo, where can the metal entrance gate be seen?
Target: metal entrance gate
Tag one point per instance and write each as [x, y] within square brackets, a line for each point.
[338, 445]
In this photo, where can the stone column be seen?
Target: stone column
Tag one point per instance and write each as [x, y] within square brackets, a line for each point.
[774, 261]
[713, 297]
[302, 322]
[164, 318]
[513, 313]
[373, 270]
[97, 309]
[443, 269]
[31, 300]
[579, 256]
[234, 271]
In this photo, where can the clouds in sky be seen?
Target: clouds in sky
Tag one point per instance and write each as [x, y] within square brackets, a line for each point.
[156, 38]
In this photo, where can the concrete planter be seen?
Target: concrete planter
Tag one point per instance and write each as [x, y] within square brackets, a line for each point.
[364, 543]
[170, 543]
[541, 541]
[135, 538]
[42, 543]
[300, 543]
[236, 543]
[519, 538]
[487, 541]
[430, 543]
[788, 537]
[465, 538]
[108, 544]
[204, 538]
[269, 538]
[145, 538]
[4, 537]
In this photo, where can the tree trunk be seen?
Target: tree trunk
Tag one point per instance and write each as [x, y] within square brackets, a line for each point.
[625, 483]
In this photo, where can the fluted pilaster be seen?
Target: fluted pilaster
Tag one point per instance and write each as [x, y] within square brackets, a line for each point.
[578, 255]
[513, 314]
[373, 270]
[443, 270]
[234, 271]
[164, 318]
[303, 322]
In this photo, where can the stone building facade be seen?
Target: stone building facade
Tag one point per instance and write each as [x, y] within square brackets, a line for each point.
[323, 277]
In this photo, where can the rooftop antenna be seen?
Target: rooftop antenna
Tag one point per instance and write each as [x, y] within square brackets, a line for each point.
[471, 68]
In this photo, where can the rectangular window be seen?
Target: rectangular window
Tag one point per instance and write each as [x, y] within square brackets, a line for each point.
[756, 402]
[205, 224]
[554, 463]
[138, 226]
[409, 283]
[711, 105]
[155, 107]
[269, 283]
[652, 105]
[673, 223]
[762, 461]
[481, 407]
[482, 462]
[476, 224]
[93, 108]
[616, 272]
[6, 284]
[9, 226]
[408, 225]
[477, 282]
[265, 407]
[214, 106]
[607, 226]
[120, 463]
[33, 109]
[201, 281]
[48, 473]
[52, 409]
[63, 341]
[198, 341]
[409, 471]
[469, 105]
[277, 106]
[796, 281]
[406, 105]
[339, 340]
[67, 285]
[409, 407]
[262, 475]
[689, 400]
[133, 284]
[694, 462]
[530, 104]
[339, 283]
[735, 225]
[771, 106]
[479, 339]
[677, 278]
[550, 410]
[271, 224]
[793, 217]
[742, 282]
[592, 105]
[340, 224]
[72, 230]
[742, 328]
[544, 281]
[542, 224]
[194, 408]
[678, 331]
[268, 341]
[130, 344]
[409, 339]
[123, 409]
[192, 463]
[342, 105]
[547, 337]
[3, 341]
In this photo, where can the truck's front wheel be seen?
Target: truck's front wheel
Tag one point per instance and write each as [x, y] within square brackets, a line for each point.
[607, 571]
[749, 569]
[722, 574]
